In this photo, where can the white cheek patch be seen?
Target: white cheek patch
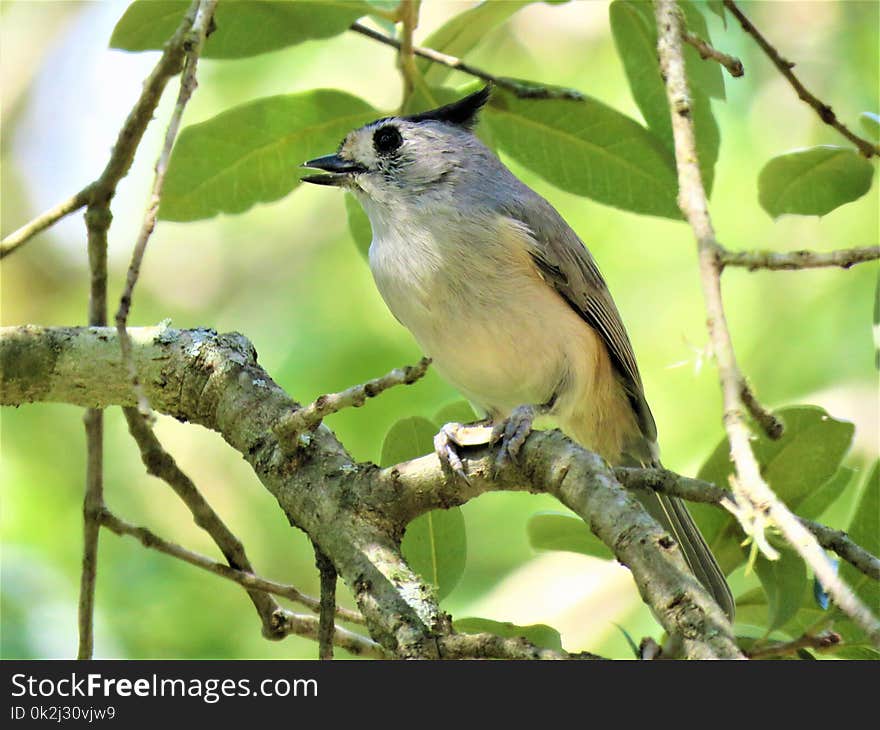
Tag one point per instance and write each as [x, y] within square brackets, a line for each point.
[358, 147]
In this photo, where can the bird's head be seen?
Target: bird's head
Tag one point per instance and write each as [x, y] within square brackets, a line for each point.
[392, 159]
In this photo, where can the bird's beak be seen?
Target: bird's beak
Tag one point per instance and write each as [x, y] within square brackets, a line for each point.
[338, 168]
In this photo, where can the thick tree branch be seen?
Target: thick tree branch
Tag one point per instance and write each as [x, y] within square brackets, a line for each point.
[756, 503]
[795, 260]
[826, 114]
[354, 512]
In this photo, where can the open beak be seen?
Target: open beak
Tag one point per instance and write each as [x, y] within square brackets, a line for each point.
[338, 170]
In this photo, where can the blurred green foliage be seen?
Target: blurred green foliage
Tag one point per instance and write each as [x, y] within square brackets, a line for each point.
[287, 275]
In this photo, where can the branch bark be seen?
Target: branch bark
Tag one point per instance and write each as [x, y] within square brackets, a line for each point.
[795, 260]
[355, 513]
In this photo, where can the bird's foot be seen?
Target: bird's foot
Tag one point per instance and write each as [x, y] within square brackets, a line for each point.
[513, 432]
[453, 436]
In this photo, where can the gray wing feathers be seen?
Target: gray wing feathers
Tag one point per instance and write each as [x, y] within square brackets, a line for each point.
[567, 266]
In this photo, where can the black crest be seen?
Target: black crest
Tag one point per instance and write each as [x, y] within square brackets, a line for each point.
[461, 113]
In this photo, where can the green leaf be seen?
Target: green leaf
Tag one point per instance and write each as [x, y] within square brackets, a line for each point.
[785, 583]
[634, 648]
[459, 411]
[871, 124]
[242, 28]
[560, 531]
[823, 497]
[252, 153]
[813, 181]
[864, 530]
[862, 653]
[635, 36]
[865, 526]
[462, 33]
[407, 439]
[717, 7]
[539, 634]
[587, 148]
[435, 544]
[358, 224]
[795, 466]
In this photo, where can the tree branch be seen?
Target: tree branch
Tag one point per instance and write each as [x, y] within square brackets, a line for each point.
[795, 260]
[409, 20]
[309, 627]
[826, 114]
[193, 48]
[755, 501]
[731, 63]
[18, 238]
[326, 625]
[161, 464]
[521, 89]
[355, 513]
[696, 490]
[309, 417]
[251, 582]
[821, 642]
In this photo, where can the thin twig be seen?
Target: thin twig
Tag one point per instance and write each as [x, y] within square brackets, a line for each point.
[769, 423]
[150, 539]
[756, 505]
[98, 218]
[188, 83]
[820, 642]
[161, 464]
[326, 625]
[696, 490]
[731, 63]
[868, 149]
[309, 627]
[309, 417]
[523, 90]
[795, 260]
[43, 221]
[92, 505]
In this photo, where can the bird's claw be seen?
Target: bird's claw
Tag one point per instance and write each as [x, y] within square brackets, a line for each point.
[512, 432]
[446, 445]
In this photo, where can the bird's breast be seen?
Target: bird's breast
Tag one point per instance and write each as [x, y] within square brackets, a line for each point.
[476, 303]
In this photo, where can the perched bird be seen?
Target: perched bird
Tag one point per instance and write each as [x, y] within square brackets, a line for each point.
[504, 297]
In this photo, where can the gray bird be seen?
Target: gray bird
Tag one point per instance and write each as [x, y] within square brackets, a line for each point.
[504, 297]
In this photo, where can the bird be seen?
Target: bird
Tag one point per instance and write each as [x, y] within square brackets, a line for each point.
[503, 296]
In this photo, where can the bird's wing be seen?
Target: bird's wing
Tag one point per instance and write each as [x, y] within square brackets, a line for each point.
[566, 264]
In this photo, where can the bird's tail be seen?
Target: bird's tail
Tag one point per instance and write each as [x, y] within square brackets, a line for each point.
[672, 514]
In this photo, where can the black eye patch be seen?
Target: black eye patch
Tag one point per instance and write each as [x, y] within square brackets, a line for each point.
[387, 139]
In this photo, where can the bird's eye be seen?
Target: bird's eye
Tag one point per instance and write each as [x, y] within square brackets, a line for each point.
[386, 140]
